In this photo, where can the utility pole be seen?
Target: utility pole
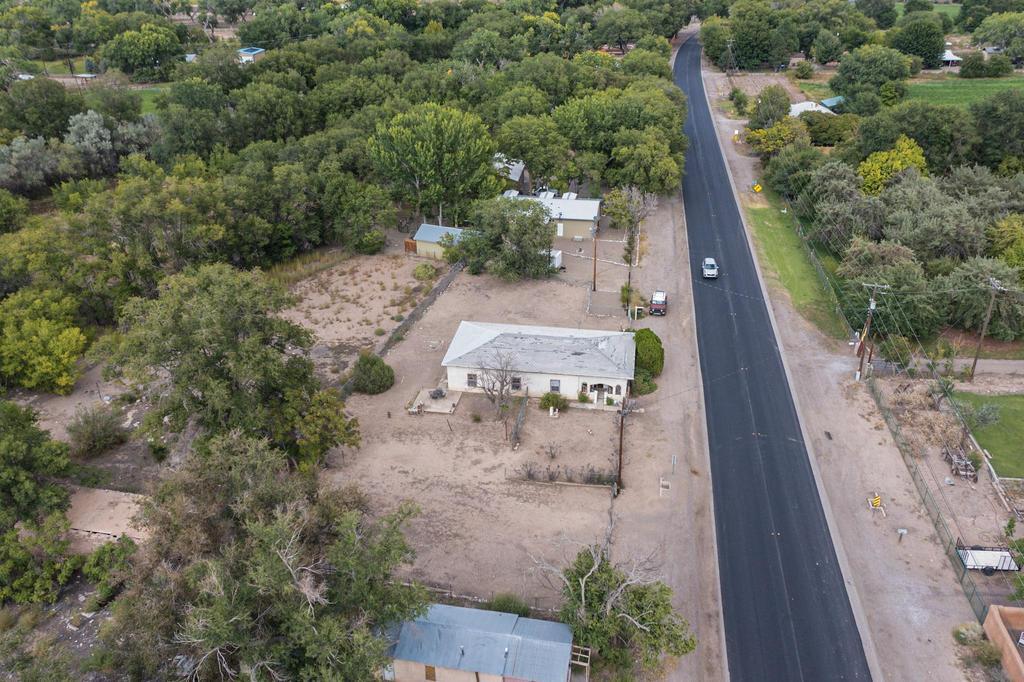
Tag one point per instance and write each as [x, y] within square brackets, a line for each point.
[593, 286]
[623, 411]
[994, 286]
[867, 325]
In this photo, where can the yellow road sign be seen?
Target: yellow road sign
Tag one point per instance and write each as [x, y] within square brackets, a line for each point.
[757, 188]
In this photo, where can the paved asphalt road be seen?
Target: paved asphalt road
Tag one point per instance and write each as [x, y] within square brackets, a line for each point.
[787, 614]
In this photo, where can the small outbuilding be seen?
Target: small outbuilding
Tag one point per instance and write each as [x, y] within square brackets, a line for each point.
[574, 218]
[800, 107]
[833, 102]
[248, 55]
[950, 59]
[513, 172]
[428, 238]
[456, 644]
[539, 360]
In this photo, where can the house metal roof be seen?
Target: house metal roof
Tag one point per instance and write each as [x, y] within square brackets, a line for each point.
[487, 642]
[833, 101]
[569, 209]
[800, 107]
[544, 350]
[433, 233]
[509, 168]
[251, 50]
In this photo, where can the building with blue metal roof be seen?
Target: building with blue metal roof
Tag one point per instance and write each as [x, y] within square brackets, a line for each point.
[428, 239]
[451, 643]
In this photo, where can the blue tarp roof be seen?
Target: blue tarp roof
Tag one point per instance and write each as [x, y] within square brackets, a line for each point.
[433, 233]
[487, 642]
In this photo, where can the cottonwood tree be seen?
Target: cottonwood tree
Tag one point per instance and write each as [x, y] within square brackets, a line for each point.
[627, 207]
[252, 567]
[212, 349]
[495, 380]
[622, 611]
[510, 238]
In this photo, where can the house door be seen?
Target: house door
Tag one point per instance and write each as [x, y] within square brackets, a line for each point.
[600, 393]
[561, 229]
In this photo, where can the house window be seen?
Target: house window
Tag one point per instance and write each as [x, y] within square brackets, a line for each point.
[430, 673]
[583, 387]
[471, 380]
[517, 384]
[556, 386]
[618, 389]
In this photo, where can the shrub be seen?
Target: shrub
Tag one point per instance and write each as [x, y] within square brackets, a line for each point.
[828, 130]
[371, 375]
[609, 401]
[650, 355]
[555, 400]
[13, 211]
[986, 654]
[107, 568]
[804, 70]
[740, 100]
[371, 242]
[379, 331]
[94, 430]
[897, 349]
[424, 272]
[643, 384]
[975, 65]
[506, 602]
[476, 418]
[583, 397]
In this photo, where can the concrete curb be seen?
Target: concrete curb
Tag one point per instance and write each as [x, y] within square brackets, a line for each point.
[704, 422]
[855, 603]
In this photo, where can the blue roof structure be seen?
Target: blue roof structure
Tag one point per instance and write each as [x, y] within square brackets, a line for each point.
[433, 233]
[833, 101]
[251, 50]
[487, 642]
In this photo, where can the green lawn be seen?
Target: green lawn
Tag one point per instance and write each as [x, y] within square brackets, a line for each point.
[149, 98]
[1005, 439]
[953, 10]
[784, 258]
[815, 90]
[60, 67]
[958, 91]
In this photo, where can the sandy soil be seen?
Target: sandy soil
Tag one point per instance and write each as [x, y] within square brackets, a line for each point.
[480, 527]
[905, 591]
[354, 305]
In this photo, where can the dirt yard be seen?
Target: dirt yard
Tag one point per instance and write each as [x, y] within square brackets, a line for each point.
[353, 306]
[904, 593]
[481, 525]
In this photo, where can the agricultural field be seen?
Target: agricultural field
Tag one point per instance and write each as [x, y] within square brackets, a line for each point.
[1004, 439]
[961, 92]
[949, 8]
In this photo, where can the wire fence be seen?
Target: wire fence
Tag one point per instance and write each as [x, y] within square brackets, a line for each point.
[947, 540]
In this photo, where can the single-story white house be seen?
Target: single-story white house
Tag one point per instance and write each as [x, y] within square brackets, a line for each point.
[574, 218]
[456, 644]
[542, 360]
[800, 107]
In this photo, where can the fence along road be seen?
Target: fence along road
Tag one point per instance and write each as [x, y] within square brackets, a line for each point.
[786, 611]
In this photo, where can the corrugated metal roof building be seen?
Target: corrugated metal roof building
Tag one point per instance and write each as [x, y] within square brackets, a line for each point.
[451, 644]
[428, 239]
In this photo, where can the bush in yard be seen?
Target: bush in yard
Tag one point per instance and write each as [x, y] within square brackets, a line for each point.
[643, 384]
[740, 100]
[650, 355]
[371, 242]
[897, 349]
[507, 602]
[372, 375]
[94, 430]
[583, 397]
[804, 70]
[975, 65]
[555, 400]
[424, 272]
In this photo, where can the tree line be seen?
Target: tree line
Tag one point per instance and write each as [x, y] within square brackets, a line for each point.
[925, 199]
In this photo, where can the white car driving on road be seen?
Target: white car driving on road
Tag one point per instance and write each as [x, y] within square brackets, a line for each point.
[709, 269]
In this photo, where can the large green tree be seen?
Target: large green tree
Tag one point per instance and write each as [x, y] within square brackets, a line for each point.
[537, 142]
[251, 566]
[946, 134]
[921, 36]
[622, 613]
[1000, 126]
[869, 67]
[1004, 30]
[436, 157]
[38, 108]
[510, 238]
[882, 11]
[212, 348]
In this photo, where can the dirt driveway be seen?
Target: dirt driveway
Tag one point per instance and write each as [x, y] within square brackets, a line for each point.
[481, 527]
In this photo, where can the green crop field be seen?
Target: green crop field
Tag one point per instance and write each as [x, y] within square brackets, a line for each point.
[953, 10]
[1004, 440]
[958, 91]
